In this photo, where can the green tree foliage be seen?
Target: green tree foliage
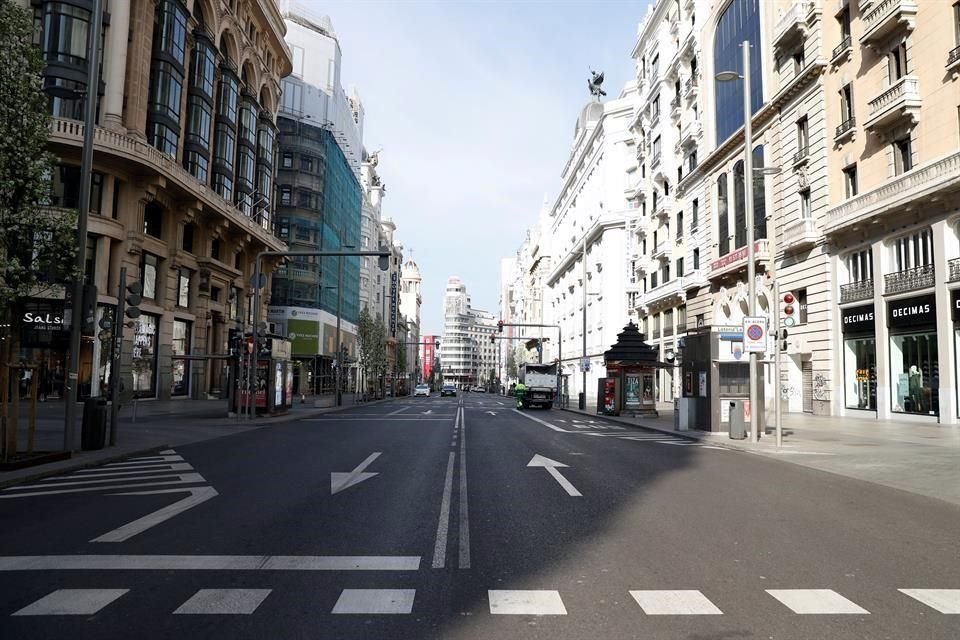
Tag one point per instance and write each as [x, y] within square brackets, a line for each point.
[37, 242]
[511, 365]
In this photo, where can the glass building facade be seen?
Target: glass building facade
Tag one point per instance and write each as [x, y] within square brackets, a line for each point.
[739, 21]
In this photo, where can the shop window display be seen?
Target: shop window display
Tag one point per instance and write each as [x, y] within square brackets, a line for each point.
[915, 373]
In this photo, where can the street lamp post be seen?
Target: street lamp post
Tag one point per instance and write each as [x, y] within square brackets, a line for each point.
[86, 173]
[582, 400]
[748, 203]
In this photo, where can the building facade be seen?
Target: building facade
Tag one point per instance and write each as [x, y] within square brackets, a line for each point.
[468, 356]
[184, 163]
[410, 301]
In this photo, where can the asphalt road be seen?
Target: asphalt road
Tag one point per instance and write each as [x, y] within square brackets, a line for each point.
[454, 518]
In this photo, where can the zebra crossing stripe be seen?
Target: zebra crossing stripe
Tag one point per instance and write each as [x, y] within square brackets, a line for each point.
[526, 602]
[675, 603]
[71, 602]
[223, 602]
[943, 600]
[816, 601]
[375, 601]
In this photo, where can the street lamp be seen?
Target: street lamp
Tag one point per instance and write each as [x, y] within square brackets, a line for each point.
[732, 76]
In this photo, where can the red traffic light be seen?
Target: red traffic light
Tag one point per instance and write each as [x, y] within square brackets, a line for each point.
[788, 309]
[788, 298]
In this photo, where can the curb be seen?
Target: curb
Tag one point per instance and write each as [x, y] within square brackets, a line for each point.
[82, 464]
[680, 434]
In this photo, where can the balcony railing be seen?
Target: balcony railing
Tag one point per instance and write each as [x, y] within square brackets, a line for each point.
[845, 45]
[846, 126]
[856, 291]
[954, 269]
[667, 331]
[938, 177]
[909, 279]
[691, 85]
[793, 23]
[886, 17]
[664, 206]
[675, 103]
[900, 99]
[801, 233]
[953, 57]
[801, 154]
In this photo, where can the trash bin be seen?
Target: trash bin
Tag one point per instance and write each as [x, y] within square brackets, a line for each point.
[94, 433]
[737, 427]
[581, 401]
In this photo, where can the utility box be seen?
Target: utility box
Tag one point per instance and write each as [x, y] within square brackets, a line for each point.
[93, 434]
[737, 422]
[685, 414]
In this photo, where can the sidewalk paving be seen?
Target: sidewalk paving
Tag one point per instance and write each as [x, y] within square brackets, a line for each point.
[920, 458]
[159, 425]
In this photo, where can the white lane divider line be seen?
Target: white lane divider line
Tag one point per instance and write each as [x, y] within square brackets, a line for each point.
[543, 422]
[71, 602]
[198, 495]
[943, 600]
[375, 601]
[464, 514]
[687, 602]
[223, 602]
[85, 562]
[816, 601]
[98, 473]
[526, 602]
[400, 410]
[443, 525]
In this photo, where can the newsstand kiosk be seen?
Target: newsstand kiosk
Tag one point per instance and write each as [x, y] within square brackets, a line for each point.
[273, 382]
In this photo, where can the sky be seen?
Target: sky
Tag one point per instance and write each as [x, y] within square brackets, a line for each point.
[474, 106]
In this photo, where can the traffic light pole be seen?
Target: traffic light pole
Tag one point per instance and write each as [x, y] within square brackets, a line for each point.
[777, 409]
[116, 341]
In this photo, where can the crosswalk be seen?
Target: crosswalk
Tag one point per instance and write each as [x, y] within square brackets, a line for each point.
[165, 469]
[500, 602]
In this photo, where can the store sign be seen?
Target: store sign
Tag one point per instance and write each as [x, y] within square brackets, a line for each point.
[858, 319]
[955, 304]
[42, 324]
[913, 312]
[393, 303]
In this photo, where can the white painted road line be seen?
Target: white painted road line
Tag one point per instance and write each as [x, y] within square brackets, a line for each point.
[551, 466]
[340, 481]
[375, 601]
[97, 473]
[543, 422]
[526, 603]
[209, 563]
[443, 525]
[675, 603]
[943, 600]
[400, 410]
[223, 602]
[185, 478]
[72, 602]
[816, 601]
[464, 514]
[197, 496]
[85, 482]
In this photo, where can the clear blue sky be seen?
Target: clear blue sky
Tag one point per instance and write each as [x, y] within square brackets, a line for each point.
[474, 105]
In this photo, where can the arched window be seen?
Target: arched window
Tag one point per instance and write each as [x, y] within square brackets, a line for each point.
[200, 95]
[759, 195]
[723, 224]
[739, 207]
[739, 21]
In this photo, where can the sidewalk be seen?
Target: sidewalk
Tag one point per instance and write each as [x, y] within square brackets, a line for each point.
[159, 425]
[922, 459]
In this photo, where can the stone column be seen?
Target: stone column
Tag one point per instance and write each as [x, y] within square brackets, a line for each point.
[942, 239]
[882, 264]
[115, 64]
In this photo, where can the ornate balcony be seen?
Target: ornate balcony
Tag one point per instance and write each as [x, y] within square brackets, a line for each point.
[690, 134]
[898, 194]
[668, 291]
[691, 86]
[736, 260]
[909, 279]
[885, 18]
[792, 25]
[664, 206]
[954, 269]
[799, 234]
[856, 291]
[693, 280]
[845, 129]
[953, 58]
[801, 155]
[899, 101]
[636, 186]
[675, 106]
[644, 265]
[640, 225]
[845, 46]
[663, 250]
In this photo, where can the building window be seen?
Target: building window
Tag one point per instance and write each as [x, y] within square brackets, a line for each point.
[144, 356]
[696, 259]
[723, 224]
[297, 55]
[915, 373]
[902, 156]
[860, 265]
[180, 346]
[803, 136]
[860, 371]
[306, 164]
[897, 62]
[653, 280]
[739, 207]
[215, 248]
[149, 266]
[679, 267]
[286, 195]
[914, 250]
[188, 233]
[798, 62]
[682, 318]
[739, 21]
[846, 105]
[844, 19]
[153, 219]
[665, 273]
[694, 214]
[850, 180]
[286, 160]
[655, 107]
[679, 224]
[805, 204]
[183, 288]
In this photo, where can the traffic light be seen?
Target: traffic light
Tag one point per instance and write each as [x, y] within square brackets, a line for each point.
[383, 261]
[234, 341]
[133, 298]
[788, 310]
[499, 326]
[89, 310]
[493, 339]
[783, 340]
[106, 326]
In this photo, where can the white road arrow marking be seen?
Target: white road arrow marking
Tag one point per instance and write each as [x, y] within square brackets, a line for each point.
[127, 531]
[551, 467]
[493, 413]
[340, 481]
[427, 411]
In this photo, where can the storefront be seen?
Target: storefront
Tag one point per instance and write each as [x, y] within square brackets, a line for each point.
[955, 305]
[144, 356]
[180, 346]
[914, 361]
[859, 357]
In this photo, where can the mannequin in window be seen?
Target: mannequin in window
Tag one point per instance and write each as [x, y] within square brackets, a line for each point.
[915, 387]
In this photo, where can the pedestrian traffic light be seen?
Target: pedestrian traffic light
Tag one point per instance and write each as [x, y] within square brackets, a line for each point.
[783, 340]
[788, 310]
[493, 339]
[133, 299]
[234, 341]
[499, 326]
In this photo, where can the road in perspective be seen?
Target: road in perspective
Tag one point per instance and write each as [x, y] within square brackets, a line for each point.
[465, 518]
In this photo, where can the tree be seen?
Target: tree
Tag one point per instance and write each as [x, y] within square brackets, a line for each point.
[365, 342]
[511, 365]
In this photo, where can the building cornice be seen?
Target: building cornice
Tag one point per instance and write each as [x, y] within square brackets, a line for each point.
[599, 227]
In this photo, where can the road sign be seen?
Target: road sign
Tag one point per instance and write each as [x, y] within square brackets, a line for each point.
[584, 364]
[755, 334]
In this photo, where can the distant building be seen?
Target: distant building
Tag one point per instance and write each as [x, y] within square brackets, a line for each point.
[467, 355]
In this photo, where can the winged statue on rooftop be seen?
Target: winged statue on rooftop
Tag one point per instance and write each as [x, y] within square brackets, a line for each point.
[594, 84]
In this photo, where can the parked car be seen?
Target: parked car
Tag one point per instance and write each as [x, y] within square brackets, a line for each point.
[448, 390]
[421, 390]
[478, 389]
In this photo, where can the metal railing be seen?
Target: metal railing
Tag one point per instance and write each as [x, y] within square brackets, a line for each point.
[905, 88]
[953, 56]
[862, 290]
[845, 126]
[954, 269]
[909, 279]
[845, 44]
[802, 153]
